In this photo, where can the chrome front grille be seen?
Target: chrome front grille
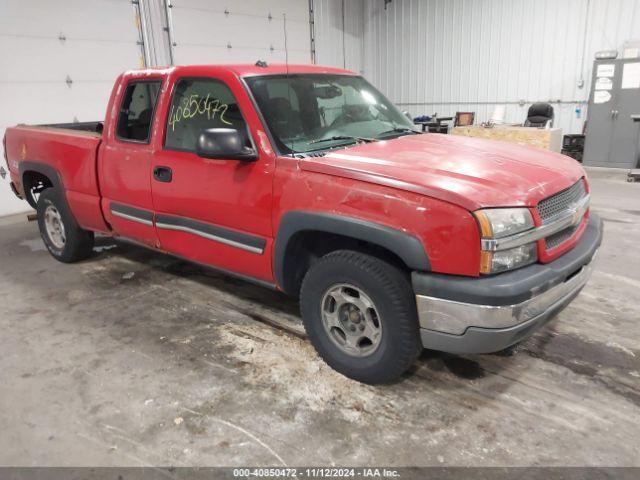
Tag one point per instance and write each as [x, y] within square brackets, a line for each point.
[552, 241]
[561, 202]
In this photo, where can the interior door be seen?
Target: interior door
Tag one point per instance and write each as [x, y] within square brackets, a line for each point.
[602, 107]
[624, 142]
[125, 163]
[216, 212]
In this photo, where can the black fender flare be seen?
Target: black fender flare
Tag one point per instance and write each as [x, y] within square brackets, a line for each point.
[44, 169]
[406, 246]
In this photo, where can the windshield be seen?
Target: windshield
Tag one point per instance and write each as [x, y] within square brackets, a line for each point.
[317, 111]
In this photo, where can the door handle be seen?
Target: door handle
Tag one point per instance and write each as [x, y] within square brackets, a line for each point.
[162, 174]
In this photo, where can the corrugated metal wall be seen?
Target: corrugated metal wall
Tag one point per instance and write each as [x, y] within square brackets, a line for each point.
[470, 55]
[339, 33]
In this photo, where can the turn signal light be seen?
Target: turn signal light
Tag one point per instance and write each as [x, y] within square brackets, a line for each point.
[486, 260]
[485, 224]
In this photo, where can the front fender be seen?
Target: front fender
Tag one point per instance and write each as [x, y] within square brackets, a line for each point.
[405, 246]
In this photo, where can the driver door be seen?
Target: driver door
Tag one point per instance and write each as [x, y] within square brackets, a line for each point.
[217, 212]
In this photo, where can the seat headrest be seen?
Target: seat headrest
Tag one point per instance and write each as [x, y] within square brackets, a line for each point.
[145, 116]
[280, 108]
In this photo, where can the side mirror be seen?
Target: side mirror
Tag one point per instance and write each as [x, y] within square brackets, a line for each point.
[408, 115]
[224, 144]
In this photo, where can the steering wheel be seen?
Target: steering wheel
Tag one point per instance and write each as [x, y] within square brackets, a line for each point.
[341, 119]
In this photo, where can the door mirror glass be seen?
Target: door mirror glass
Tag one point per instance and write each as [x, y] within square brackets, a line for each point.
[224, 144]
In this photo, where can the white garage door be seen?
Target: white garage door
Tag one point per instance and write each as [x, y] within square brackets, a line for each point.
[214, 31]
[58, 61]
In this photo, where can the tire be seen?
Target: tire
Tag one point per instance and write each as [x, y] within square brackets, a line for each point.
[510, 351]
[62, 235]
[395, 341]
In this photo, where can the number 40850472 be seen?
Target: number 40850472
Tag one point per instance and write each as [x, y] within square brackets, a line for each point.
[195, 105]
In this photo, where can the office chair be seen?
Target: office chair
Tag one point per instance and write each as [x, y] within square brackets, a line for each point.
[539, 115]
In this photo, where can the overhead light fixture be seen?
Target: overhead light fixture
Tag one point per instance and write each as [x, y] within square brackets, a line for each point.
[606, 54]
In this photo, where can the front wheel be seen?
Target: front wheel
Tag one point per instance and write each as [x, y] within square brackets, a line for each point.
[62, 236]
[360, 314]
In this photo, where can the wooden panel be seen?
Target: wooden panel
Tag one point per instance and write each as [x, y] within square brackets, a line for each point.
[536, 137]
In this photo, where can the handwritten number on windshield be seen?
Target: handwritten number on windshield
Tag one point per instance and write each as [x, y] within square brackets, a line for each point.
[194, 105]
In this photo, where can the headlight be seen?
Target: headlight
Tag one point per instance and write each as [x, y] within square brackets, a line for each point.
[502, 222]
[503, 260]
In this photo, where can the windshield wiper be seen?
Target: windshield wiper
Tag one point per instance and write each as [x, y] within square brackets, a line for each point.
[343, 137]
[398, 130]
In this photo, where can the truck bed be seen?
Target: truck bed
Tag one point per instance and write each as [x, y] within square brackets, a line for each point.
[95, 127]
[66, 151]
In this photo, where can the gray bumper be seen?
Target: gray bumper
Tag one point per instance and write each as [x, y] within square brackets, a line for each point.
[504, 309]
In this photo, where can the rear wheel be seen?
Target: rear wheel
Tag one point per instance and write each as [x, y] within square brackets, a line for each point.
[360, 315]
[62, 236]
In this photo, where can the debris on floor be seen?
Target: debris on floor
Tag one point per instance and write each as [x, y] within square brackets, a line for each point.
[178, 365]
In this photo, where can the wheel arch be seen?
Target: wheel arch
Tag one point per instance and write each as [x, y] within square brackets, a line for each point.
[32, 172]
[299, 230]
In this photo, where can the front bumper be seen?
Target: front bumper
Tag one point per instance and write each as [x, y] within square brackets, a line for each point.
[488, 314]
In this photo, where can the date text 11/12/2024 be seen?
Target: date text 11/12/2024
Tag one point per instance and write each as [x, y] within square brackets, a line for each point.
[310, 472]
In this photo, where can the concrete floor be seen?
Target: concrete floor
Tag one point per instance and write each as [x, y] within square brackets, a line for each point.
[135, 358]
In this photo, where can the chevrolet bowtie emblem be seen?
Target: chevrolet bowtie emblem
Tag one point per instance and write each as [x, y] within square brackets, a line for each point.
[575, 216]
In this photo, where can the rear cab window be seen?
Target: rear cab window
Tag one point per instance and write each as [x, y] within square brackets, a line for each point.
[136, 111]
[198, 104]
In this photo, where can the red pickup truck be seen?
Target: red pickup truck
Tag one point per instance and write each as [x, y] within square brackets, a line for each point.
[308, 180]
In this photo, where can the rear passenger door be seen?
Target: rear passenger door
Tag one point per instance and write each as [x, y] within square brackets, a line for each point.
[216, 212]
[125, 162]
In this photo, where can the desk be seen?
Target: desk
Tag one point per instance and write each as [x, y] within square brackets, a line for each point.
[536, 137]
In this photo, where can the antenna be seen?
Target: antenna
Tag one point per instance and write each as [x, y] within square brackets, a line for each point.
[286, 63]
[286, 49]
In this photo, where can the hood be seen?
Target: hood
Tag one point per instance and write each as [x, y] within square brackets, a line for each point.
[470, 172]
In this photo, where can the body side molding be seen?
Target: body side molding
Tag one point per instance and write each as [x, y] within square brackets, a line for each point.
[131, 213]
[240, 240]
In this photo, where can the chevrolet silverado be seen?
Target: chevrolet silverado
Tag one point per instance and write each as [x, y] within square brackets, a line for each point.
[308, 180]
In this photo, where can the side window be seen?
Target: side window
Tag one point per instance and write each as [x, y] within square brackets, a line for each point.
[196, 105]
[136, 111]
